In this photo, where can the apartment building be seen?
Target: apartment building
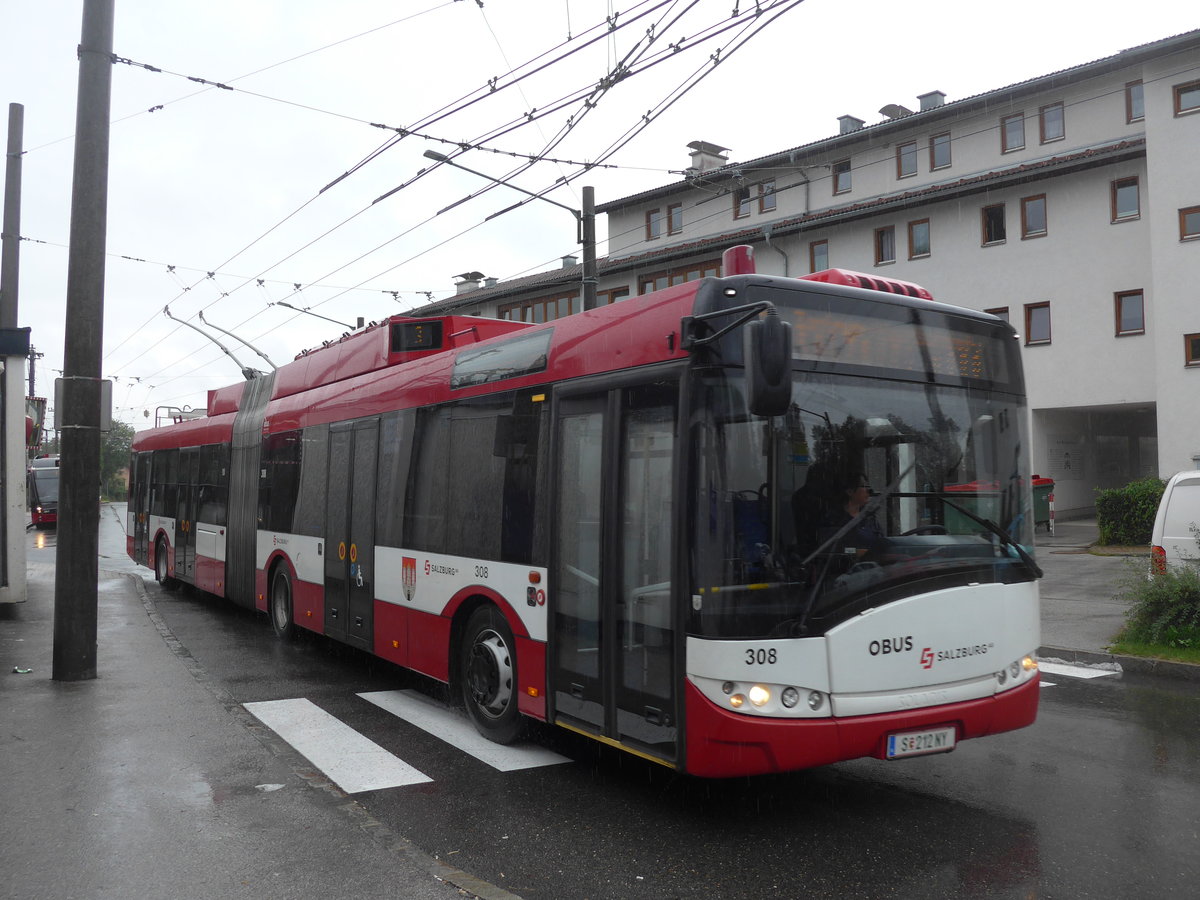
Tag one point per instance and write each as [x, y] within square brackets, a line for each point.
[1069, 204]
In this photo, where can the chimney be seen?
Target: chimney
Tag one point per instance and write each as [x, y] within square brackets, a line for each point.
[469, 282]
[706, 156]
[490, 282]
[932, 100]
[568, 261]
[849, 124]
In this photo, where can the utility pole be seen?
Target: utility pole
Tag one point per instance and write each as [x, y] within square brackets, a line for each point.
[34, 356]
[77, 569]
[588, 240]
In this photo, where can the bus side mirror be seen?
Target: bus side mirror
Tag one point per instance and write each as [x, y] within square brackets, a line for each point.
[768, 358]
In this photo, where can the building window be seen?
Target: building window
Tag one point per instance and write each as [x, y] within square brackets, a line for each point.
[544, 309]
[993, 224]
[1191, 349]
[1189, 223]
[906, 159]
[1187, 98]
[918, 239]
[1126, 202]
[841, 176]
[939, 151]
[1012, 133]
[604, 298]
[1033, 216]
[885, 245]
[818, 256]
[1000, 312]
[1130, 312]
[741, 202]
[1135, 104]
[656, 281]
[1037, 323]
[766, 196]
[1052, 123]
[653, 224]
[675, 218]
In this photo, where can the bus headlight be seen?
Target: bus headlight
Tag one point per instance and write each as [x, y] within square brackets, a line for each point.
[759, 695]
[764, 698]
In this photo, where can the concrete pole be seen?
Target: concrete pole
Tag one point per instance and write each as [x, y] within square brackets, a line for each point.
[75, 591]
[12, 404]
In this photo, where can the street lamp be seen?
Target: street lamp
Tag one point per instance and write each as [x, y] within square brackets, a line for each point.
[585, 222]
[309, 312]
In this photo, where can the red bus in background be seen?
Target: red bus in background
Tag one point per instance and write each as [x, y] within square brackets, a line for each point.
[42, 491]
[713, 525]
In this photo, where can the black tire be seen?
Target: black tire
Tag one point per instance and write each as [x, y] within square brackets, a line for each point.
[279, 604]
[161, 568]
[487, 676]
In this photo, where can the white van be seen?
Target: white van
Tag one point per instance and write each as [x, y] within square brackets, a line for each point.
[1174, 543]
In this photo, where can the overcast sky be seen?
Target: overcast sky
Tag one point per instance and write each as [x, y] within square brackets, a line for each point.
[230, 182]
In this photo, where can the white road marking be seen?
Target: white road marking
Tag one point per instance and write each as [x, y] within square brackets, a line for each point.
[351, 761]
[1073, 671]
[456, 730]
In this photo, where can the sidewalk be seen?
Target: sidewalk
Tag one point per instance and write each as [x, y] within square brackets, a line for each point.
[1081, 612]
[148, 783]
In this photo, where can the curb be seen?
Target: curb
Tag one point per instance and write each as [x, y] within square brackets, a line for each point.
[1139, 665]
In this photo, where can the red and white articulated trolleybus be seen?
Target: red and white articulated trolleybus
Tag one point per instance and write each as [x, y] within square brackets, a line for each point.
[745, 524]
[42, 491]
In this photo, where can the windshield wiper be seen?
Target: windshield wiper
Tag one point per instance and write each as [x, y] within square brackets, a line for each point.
[999, 532]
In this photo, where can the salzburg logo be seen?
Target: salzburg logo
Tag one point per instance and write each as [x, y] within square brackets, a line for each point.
[409, 577]
[929, 656]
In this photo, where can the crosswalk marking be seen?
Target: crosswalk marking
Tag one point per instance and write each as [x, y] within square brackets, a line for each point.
[442, 722]
[1052, 668]
[351, 761]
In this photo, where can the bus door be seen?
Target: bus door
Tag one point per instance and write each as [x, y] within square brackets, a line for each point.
[139, 508]
[350, 532]
[613, 640]
[185, 530]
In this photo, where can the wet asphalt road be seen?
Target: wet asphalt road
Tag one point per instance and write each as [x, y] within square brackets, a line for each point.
[1100, 798]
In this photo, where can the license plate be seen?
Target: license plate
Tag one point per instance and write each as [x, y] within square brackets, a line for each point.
[918, 743]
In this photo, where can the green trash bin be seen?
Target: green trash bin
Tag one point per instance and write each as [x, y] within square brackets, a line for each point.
[1043, 497]
[976, 497]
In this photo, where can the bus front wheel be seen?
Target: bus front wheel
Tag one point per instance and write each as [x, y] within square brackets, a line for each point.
[282, 618]
[488, 675]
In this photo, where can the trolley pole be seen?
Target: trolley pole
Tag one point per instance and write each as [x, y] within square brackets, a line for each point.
[77, 564]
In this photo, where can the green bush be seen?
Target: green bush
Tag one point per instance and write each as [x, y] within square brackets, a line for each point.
[1165, 610]
[1126, 515]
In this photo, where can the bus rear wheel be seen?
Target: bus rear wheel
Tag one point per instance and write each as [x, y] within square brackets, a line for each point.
[161, 568]
[280, 607]
[488, 675]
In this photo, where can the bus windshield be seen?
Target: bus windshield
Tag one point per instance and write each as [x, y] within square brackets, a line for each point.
[869, 490]
[45, 483]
